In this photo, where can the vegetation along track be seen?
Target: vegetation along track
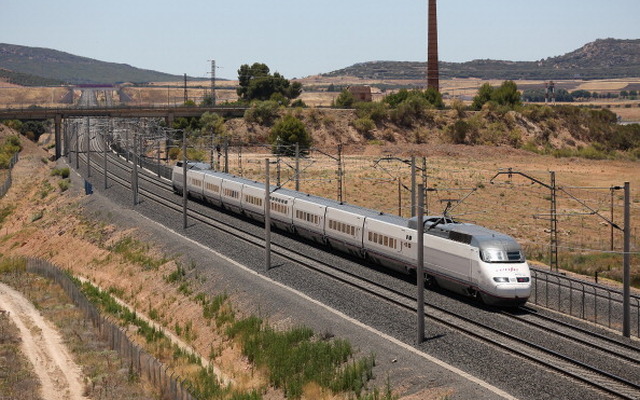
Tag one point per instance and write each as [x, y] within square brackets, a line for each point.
[592, 374]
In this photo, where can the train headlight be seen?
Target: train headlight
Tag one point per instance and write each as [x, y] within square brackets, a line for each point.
[501, 279]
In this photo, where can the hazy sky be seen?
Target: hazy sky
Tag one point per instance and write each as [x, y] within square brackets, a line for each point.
[301, 38]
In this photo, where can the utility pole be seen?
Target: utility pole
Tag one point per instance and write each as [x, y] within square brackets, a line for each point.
[88, 147]
[413, 186]
[553, 248]
[104, 145]
[626, 293]
[76, 130]
[340, 173]
[226, 155]
[184, 179]
[425, 182]
[134, 180]
[553, 240]
[420, 267]
[297, 172]
[267, 217]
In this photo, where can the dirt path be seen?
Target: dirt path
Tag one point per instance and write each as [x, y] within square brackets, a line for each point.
[59, 375]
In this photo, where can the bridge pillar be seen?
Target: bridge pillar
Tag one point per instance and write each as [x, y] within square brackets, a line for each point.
[58, 134]
[169, 119]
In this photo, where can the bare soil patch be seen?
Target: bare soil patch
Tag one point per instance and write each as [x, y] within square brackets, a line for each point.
[59, 375]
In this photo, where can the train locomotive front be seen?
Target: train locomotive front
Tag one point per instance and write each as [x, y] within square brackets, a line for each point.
[499, 272]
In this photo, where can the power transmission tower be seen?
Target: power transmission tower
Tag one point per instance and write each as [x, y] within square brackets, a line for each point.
[213, 82]
[186, 96]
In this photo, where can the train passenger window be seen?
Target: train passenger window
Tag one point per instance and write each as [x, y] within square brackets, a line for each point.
[386, 240]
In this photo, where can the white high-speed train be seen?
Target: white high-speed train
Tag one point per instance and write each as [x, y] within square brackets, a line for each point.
[465, 258]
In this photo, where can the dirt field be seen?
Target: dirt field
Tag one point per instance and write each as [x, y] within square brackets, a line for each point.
[59, 376]
[172, 93]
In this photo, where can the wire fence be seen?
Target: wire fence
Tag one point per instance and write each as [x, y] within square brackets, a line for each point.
[6, 185]
[133, 357]
[578, 298]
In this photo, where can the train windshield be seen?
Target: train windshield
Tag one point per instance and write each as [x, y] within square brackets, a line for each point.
[501, 256]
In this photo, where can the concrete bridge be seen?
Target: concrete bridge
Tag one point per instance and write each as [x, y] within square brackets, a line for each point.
[59, 114]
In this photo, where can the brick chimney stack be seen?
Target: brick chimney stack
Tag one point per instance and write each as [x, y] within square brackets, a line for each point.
[433, 74]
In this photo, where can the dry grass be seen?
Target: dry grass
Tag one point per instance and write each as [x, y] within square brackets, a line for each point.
[514, 206]
[159, 95]
[17, 379]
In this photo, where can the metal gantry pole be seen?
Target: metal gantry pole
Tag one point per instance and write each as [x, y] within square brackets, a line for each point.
[134, 178]
[226, 156]
[340, 174]
[626, 293]
[420, 267]
[104, 144]
[76, 130]
[184, 179]
[88, 148]
[553, 248]
[297, 167]
[611, 225]
[267, 217]
[425, 182]
[413, 186]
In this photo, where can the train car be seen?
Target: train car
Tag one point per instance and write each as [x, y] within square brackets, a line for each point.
[309, 216]
[461, 257]
[475, 261]
[212, 189]
[388, 241]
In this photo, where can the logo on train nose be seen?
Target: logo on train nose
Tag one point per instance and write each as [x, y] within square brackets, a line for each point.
[507, 269]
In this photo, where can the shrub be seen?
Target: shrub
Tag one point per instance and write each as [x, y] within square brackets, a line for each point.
[61, 172]
[375, 111]
[344, 100]
[262, 112]
[410, 111]
[364, 126]
[458, 131]
[63, 185]
[288, 131]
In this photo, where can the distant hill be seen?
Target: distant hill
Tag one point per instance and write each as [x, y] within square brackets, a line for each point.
[18, 78]
[64, 67]
[602, 59]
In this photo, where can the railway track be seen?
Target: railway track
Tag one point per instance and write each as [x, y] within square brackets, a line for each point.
[552, 359]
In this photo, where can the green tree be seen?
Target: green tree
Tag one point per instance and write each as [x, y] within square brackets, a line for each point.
[505, 95]
[394, 99]
[433, 96]
[344, 100]
[286, 132]
[33, 129]
[257, 83]
[581, 94]
[212, 124]
[484, 95]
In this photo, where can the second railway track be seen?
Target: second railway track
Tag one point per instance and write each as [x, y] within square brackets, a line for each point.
[554, 360]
